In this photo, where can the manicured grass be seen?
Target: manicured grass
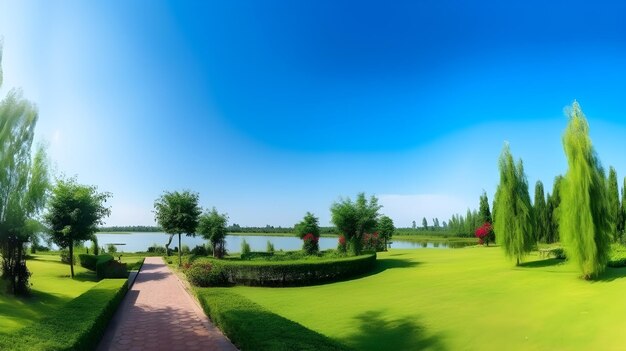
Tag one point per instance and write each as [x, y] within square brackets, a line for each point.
[459, 299]
[51, 288]
[77, 325]
[434, 238]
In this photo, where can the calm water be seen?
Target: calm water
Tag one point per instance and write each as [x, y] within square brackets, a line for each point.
[135, 242]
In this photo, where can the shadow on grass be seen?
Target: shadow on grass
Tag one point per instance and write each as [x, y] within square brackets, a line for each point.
[380, 266]
[611, 274]
[377, 333]
[542, 263]
[22, 311]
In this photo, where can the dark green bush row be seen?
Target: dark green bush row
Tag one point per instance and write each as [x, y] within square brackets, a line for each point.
[78, 325]
[90, 261]
[251, 327]
[110, 268]
[279, 273]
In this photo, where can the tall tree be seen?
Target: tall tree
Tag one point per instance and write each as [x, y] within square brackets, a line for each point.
[513, 223]
[353, 219]
[552, 211]
[385, 229]
[621, 219]
[425, 223]
[212, 227]
[74, 212]
[415, 226]
[585, 222]
[541, 215]
[178, 213]
[484, 215]
[23, 185]
[614, 206]
[308, 225]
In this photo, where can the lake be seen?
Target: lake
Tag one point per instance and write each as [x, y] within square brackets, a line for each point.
[135, 242]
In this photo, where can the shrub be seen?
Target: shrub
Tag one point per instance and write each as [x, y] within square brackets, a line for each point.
[107, 267]
[88, 261]
[245, 248]
[78, 325]
[341, 245]
[372, 242]
[111, 249]
[157, 249]
[206, 274]
[483, 233]
[310, 244]
[293, 273]
[558, 252]
[200, 250]
[65, 256]
[270, 247]
[184, 249]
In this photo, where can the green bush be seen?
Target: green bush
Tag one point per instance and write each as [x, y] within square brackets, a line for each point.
[200, 250]
[558, 253]
[251, 327]
[270, 247]
[65, 256]
[618, 256]
[107, 267]
[157, 249]
[293, 273]
[206, 274]
[78, 325]
[111, 249]
[245, 248]
[90, 261]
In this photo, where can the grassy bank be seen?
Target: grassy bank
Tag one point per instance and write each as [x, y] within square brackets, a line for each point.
[51, 288]
[434, 239]
[470, 298]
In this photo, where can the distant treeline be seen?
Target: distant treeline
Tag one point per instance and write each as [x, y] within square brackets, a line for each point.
[132, 228]
[236, 228]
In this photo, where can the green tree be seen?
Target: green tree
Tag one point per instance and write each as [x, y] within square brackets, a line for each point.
[585, 219]
[552, 211]
[23, 185]
[484, 214]
[414, 226]
[513, 223]
[308, 225]
[621, 219]
[74, 212]
[178, 213]
[385, 229]
[353, 219]
[425, 223]
[539, 208]
[212, 227]
[614, 206]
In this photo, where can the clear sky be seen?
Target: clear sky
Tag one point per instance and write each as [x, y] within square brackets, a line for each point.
[270, 109]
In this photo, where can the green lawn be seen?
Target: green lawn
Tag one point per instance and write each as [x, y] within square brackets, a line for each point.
[470, 298]
[51, 288]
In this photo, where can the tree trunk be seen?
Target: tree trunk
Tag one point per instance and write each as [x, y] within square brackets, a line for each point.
[72, 258]
[167, 246]
[180, 257]
[518, 261]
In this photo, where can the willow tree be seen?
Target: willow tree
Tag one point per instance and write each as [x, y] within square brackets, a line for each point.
[23, 185]
[541, 215]
[613, 199]
[621, 218]
[513, 222]
[584, 221]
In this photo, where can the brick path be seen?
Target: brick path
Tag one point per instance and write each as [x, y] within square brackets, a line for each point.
[159, 314]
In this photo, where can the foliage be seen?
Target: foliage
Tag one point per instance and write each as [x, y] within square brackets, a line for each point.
[513, 223]
[245, 248]
[354, 219]
[206, 274]
[23, 185]
[252, 327]
[558, 252]
[91, 261]
[552, 212]
[212, 227]
[111, 248]
[199, 250]
[110, 268]
[484, 215]
[269, 247]
[157, 249]
[77, 325]
[293, 273]
[310, 244]
[95, 248]
[621, 218]
[177, 213]
[308, 225]
[66, 258]
[373, 242]
[74, 211]
[541, 215]
[483, 232]
[613, 203]
[385, 229]
[585, 221]
[342, 244]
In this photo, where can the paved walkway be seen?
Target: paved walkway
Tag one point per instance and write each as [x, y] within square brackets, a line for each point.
[159, 314]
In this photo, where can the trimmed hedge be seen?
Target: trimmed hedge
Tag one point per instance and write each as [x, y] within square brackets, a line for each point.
[251, 327]
[91, 261]
[110, 268]
[281, 273]
[78, 325]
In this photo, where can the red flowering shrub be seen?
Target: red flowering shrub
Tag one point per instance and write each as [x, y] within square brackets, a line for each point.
[342, 244]
[310, 245]
[372, 242]
[483, 233]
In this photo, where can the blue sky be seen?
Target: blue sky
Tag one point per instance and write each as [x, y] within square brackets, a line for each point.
[270, 109]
